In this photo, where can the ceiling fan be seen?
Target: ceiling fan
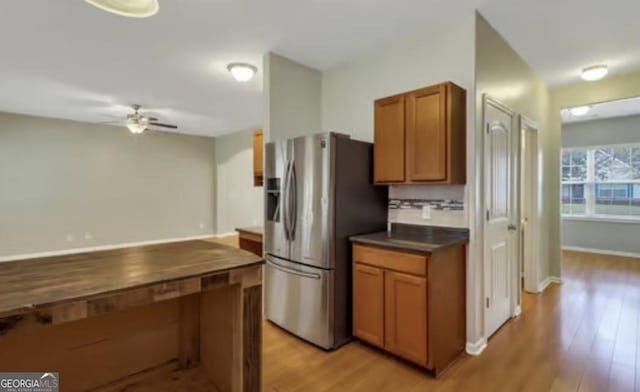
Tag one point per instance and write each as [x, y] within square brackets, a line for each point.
[138, 123]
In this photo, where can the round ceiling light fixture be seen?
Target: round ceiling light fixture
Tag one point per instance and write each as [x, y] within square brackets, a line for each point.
[128, 8]
[579, 110]
[242, 72]
[595, 72]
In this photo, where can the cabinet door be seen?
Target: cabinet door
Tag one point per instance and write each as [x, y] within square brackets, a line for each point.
[427, 138]
[389, 147]
[406, 316]
[368, 304]
[257, 158]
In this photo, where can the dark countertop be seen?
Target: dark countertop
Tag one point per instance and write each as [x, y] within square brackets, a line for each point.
[28, 284]
[257, 230]
[416, 238]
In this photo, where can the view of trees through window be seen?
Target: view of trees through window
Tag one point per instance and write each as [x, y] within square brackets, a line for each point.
[601, 181]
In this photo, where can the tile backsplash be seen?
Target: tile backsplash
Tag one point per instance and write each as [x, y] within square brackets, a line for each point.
[447, 205]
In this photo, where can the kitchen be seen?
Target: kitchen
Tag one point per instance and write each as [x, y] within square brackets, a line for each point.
[353, 180]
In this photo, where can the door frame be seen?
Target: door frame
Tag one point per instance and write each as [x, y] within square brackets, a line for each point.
[514, 267]
[531, 235]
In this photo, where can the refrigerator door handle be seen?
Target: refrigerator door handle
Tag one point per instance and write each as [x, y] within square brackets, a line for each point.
[293, 184]
[285, 202]
[292, 271]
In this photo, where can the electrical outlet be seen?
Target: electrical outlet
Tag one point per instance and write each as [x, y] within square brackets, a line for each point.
[426, 212]
[88, 236]
[70, 237]
[201, 225]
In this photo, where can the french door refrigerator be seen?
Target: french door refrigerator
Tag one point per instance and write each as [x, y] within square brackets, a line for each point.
[319, 191]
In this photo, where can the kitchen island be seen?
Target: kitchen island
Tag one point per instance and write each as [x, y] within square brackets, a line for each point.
[105, 319]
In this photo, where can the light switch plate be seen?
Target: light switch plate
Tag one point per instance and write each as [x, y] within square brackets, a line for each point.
[426, 212]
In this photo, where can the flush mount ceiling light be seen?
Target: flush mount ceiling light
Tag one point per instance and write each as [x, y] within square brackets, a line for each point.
[595, 72]
[129, 8]
[242, 72]
[579, 110]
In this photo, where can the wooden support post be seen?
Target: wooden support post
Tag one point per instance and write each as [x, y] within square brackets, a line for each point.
[189, 331]
[221, 337]
[252, 338]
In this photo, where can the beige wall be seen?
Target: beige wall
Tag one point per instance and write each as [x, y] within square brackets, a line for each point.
[607, 89]
[505, 76]
[239, 203]
[67, 185]
[292, 94]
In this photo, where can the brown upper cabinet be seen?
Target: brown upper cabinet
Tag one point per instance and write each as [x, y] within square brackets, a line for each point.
[420, 137]
[258, 147]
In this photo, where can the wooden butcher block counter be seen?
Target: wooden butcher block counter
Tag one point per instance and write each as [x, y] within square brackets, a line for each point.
[178, 312]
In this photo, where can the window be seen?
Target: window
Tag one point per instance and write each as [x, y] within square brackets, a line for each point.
[601, 181]
[574, 176]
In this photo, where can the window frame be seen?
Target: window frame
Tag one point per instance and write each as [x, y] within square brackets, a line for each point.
[590, 185]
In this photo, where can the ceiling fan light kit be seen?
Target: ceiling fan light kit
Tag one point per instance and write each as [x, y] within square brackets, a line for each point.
[128, 8]
[138, 123]
[137, 126]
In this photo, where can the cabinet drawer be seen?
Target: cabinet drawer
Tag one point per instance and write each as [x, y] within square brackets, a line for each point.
[410, 263]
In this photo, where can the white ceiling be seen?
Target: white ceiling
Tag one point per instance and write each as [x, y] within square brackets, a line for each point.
[599, 111]
[559, 38]
[67, 59]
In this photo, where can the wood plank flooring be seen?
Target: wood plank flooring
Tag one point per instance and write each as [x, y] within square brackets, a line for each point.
[582, 336]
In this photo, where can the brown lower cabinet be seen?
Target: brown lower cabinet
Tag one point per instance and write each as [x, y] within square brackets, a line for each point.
[411, 304]
[368, 289]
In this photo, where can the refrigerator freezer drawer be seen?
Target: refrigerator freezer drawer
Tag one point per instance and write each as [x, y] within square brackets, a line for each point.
[299, 299]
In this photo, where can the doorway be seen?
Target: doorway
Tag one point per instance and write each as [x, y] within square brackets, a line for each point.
[600, 178]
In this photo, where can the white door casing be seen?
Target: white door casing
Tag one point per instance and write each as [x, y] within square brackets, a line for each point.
[529, 205]
[501, 272]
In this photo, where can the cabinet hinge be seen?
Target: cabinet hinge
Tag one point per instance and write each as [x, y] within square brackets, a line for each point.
[487, 215]
[487, 302]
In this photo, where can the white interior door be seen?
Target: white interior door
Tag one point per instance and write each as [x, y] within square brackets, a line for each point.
[501, 152]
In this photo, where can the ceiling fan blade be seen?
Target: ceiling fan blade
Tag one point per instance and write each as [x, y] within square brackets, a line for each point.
[163, 125]
[152, 119]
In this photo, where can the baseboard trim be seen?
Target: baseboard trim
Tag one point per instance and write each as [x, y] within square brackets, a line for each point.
[542, 286]
[476, 348]
[222, 235]
[601, 251]
[101, 247]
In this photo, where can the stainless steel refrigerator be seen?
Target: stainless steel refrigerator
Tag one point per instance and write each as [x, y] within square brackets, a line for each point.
[319, 191]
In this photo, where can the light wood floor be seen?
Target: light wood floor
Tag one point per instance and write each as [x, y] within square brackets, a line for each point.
[578, 336]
